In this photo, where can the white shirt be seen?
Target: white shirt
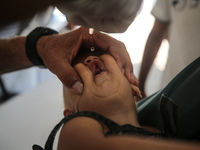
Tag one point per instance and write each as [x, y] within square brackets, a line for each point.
[184, 34]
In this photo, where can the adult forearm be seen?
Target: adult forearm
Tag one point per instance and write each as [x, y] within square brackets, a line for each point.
[150, 52]
[13, 55]
[151, 49]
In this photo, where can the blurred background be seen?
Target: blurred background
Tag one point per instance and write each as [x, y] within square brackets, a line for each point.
[135, 39]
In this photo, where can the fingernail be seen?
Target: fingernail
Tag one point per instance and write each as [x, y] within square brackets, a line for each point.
[134, 80]
[78, 87]
[132, 77]
[138, 92]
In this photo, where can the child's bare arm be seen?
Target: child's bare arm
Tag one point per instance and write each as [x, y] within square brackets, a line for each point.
[86, 133]
[81, 133]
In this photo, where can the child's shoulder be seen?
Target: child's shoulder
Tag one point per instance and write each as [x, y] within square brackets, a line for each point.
[79, 130]
[81, 123]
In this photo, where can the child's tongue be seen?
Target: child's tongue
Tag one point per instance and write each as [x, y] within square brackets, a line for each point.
[96, 66]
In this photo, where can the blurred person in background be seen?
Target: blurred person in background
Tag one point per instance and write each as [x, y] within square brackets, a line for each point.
[179, 22]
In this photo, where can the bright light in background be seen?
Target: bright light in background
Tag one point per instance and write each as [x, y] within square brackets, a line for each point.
[136, 36]
[61, 17]
[162, 55]
[135, 40]
[58, 21]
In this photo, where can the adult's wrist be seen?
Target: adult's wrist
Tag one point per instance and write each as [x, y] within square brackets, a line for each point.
[31, 44]
[41, 46]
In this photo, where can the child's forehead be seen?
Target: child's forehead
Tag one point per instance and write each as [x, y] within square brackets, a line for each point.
[84, 53]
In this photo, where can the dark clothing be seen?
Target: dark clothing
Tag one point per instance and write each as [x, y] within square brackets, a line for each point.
[114, 128]
[184, 89]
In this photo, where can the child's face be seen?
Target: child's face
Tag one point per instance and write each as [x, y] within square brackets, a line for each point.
[104, 84]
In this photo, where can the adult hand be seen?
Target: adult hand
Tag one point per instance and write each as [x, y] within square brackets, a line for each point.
[59, 51]
[117, 49]
[142, 92]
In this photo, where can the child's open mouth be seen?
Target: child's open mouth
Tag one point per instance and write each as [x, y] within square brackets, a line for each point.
[96, 66]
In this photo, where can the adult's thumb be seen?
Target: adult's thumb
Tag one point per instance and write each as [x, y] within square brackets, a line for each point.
[70, 78]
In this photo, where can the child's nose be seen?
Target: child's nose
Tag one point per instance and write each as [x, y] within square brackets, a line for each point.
[89, 59]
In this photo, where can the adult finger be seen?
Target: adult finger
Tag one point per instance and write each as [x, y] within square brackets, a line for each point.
[117, 49]
[130, 75]
[107, 43]
[136, 92]
[67, 75]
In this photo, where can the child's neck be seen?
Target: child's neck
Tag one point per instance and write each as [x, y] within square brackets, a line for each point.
[126, 117]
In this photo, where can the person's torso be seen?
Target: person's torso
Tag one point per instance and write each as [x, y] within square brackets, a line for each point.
[184, 33]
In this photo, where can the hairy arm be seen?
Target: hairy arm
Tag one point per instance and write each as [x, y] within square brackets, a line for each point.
[12, 55]
[86, 133]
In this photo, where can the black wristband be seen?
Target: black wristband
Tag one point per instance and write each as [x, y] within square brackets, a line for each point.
[31, 44]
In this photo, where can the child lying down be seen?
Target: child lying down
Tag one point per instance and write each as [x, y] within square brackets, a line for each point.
[104, 116]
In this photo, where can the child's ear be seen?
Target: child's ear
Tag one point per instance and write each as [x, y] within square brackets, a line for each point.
[68, 111]
[136, 91]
